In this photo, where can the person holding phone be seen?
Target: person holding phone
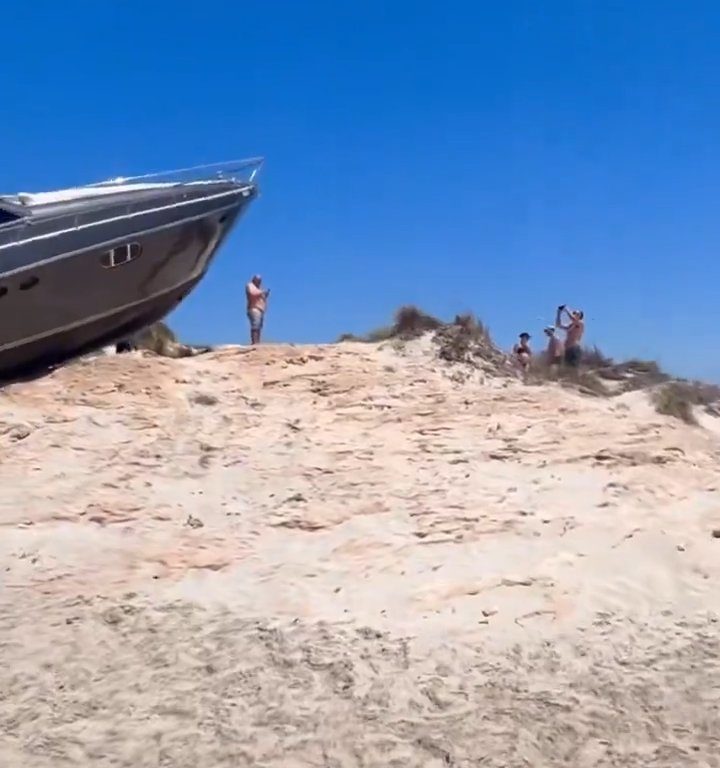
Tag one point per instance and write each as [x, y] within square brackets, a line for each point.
[256, 307]
[574, 331]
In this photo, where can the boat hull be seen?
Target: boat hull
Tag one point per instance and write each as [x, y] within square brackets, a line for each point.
[63, 296]
[62, 346]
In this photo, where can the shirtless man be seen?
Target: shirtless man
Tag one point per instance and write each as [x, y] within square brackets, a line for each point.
[555, 348]
[256, 306]
[573, 333]
[522, 351]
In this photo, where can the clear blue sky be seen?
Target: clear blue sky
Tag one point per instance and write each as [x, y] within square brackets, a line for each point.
[500, 157]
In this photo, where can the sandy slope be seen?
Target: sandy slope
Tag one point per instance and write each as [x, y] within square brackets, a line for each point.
[351, 555]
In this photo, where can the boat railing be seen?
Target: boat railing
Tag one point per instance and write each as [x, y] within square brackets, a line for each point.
[233, 170]
[239, 171]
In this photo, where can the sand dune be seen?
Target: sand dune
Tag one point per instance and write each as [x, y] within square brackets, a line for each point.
[352, 555]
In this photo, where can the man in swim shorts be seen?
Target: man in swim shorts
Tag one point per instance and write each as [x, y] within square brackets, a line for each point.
[574, 331]
[256, 307]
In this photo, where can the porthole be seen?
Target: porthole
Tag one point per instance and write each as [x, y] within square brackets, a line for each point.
[29, 283]
[120, 254]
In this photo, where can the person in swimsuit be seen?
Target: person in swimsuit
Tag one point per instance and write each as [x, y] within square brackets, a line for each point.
[574, 331]
[522, 352]
[555, 348]
[256, 307]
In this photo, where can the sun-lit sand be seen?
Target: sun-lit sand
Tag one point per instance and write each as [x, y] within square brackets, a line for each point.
[352, 555]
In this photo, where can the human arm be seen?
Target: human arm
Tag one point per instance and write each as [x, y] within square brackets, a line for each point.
[558, 317]
[576, 320]
[254, 293]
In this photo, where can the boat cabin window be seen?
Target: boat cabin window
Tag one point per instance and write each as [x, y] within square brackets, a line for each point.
[120, 254]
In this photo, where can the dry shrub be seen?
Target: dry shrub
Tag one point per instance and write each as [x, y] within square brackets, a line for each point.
[594, 359]
[642, 367]
[674, 400]
[472, 325]
[596, 367]
[155, 338]
[680, 398]
[409, 323]
[636, 374]
[612, 373]
[158, 338]
[467, 340]
[349, 337]
[586, 382]
[380, 334]
[583, 379]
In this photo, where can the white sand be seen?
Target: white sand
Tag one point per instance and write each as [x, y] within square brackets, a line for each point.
[348, 555]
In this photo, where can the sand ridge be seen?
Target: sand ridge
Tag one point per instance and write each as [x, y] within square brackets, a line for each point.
[333, 524]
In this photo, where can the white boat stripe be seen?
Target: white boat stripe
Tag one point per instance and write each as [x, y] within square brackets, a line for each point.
[100, 315]
[109, 243]
[135, 214]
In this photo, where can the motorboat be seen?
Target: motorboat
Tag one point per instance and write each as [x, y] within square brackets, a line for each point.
[84, 267]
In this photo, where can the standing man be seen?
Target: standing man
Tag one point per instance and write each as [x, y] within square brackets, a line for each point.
[256, 306]
[574, 331]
